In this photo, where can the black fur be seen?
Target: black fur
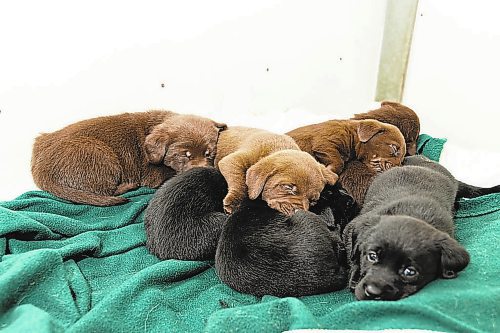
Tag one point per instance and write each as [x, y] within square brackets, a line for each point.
[185, 217]
[263, 252]
[405, 226]
[336, 206]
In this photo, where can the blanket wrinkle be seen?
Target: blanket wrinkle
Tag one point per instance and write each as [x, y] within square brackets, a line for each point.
[78, 268]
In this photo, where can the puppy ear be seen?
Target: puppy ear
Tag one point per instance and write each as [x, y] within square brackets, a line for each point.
[368, 128]
[220, 126]
[156, 144]
[330, 176]
[454, 257]
[256, 177]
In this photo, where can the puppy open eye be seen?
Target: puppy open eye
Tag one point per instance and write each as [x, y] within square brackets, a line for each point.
[410, 271]
[208, 153]
[372, 256]
[188, 154]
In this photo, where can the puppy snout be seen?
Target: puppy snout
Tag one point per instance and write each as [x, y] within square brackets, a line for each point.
[376, 291]
[372, 291]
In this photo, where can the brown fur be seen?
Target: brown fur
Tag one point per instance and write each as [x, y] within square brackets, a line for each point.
[335, 142]
[400, 116]
[256, 162]
[356, 176]
[95, 160]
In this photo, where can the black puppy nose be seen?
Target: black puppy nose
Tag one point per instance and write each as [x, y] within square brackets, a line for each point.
[372, 291]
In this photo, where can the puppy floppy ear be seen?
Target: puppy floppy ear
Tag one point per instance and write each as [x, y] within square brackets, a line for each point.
[330, 176]
[368, 128]
[220, 126]
[454, 257]
[156, 144]
[256, 177]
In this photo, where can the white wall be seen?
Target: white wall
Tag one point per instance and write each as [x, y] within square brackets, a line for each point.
[453, 78]
[274, 64]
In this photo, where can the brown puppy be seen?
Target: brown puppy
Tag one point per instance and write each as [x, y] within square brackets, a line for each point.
[255, 162]
[95, 160]
[356, 176]
[378, 145]
[400, 116]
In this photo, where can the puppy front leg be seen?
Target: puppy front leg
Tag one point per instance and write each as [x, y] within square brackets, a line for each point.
[329, 157]
[234, 167]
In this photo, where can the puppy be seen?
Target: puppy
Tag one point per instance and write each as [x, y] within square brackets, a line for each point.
[404, 118]
[264, 252]
[95, 160]
[256, 163]
[335, 142]
[335, 206]
[356, 176]
[403, 237]
[185, 217]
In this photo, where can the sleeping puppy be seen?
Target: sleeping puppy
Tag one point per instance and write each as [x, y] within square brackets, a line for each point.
[356, 176]
[185, 217]
[257, 163]
[336, 207]
[404, 118]
[378, 145]
[264, 252]
[403, 237]
[95, 160]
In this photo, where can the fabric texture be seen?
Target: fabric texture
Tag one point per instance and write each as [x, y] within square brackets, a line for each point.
[78, 268]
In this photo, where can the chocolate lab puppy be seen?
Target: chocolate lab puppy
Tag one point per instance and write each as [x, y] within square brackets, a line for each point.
[264, 252]
[95, 160]
[404, 118]
[356, 176]
[185, 217]
[257, 163]
[403, 237]
[335, 142]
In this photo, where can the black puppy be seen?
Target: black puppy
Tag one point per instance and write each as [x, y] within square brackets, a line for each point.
[403, 237]
[263, 252]
[335, 206]
[185, 217]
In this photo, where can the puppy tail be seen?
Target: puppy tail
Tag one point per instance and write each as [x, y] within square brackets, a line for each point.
[84, 197]
[470, 191]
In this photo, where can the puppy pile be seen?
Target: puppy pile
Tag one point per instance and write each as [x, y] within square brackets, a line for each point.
[277, 212]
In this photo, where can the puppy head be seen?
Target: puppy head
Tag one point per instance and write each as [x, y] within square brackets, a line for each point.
[183, 142]
[404, 118]
[288, 180]
[381, 146]
[400, 255]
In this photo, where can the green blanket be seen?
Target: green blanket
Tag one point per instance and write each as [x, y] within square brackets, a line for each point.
[78, 268]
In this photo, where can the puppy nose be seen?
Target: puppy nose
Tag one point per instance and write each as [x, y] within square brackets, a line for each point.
[373, 291]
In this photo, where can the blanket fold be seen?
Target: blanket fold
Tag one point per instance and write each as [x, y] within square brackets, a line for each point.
[79, 268]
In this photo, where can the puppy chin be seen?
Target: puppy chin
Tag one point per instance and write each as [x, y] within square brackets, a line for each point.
[284, 207]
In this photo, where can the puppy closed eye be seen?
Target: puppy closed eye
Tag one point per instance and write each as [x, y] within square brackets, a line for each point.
[395, 151]
[289, 188]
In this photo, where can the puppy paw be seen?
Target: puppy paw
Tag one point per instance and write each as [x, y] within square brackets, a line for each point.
[230, 203]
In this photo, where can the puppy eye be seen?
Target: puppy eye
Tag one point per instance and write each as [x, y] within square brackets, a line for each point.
[372, 256]
[208, 153]
[394, 150]
[410, 271]
[188, 154]
[292, 189]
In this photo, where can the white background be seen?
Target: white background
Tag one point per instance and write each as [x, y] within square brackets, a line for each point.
[274, 64]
